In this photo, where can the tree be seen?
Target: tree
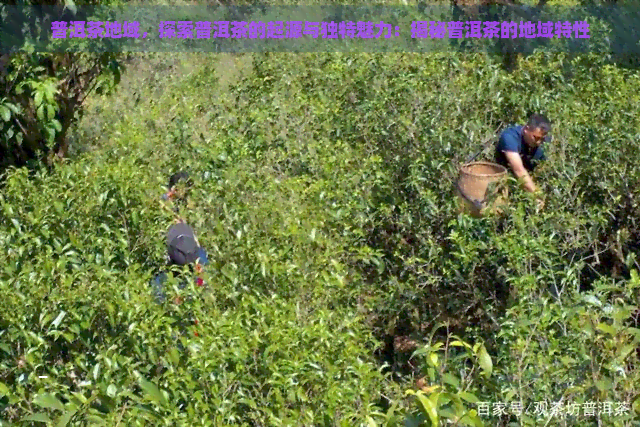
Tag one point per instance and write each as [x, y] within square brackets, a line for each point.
[42, 93]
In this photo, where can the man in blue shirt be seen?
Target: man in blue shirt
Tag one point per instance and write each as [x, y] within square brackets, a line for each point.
[520, 149]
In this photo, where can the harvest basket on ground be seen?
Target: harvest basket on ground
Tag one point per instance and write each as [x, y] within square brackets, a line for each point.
[481, 187]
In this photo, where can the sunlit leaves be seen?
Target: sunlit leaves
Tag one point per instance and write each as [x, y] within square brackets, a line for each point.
[327, 211]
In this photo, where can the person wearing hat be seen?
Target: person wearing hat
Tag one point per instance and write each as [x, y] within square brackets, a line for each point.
[183, 249]
[180, 185]
[520, 149]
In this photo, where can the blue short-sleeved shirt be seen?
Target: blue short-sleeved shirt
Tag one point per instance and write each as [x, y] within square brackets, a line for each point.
[511, 140]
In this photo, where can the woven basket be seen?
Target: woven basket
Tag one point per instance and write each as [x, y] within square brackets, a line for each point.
[482, 183]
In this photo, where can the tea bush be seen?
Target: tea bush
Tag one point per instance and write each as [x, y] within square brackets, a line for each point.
[323, 194]
[91, 330]
[487, 275]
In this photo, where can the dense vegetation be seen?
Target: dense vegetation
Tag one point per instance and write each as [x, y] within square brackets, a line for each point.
[342, 274]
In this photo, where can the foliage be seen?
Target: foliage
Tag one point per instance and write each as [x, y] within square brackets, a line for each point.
[42, 94]
[323, 193]
[91, 337]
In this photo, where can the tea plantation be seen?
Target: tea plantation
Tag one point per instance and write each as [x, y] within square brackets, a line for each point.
[344, 286]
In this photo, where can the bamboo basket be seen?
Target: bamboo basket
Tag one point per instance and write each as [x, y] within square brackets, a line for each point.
[481, 187]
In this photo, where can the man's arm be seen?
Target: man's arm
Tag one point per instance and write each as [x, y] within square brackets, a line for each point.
[519, 170]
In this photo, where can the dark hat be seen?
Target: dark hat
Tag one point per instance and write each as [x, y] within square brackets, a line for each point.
[179, 176]
[182, 246]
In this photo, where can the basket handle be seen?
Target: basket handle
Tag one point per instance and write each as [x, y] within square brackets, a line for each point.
[478, 204]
